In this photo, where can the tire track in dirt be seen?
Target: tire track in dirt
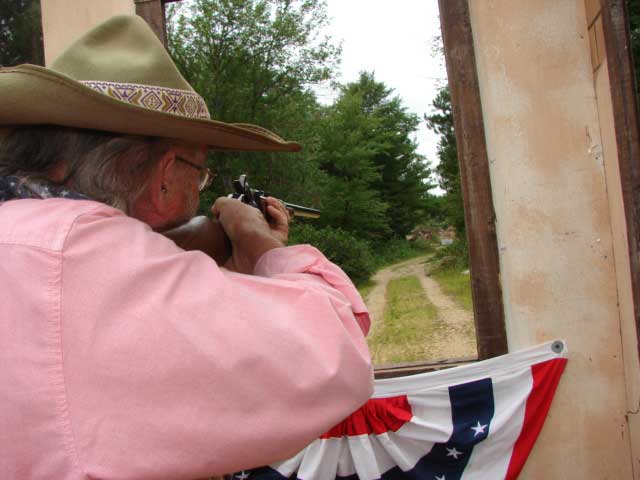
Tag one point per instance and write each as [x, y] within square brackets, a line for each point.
[457, 343]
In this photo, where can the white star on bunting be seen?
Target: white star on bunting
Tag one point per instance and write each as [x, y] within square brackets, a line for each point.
[440, 478]
[242, 475]
[478, 429]
[452, 452]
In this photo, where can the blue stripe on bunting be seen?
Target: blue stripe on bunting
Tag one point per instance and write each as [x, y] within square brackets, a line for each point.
[472, 409]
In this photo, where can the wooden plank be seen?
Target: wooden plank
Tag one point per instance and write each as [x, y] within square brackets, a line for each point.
[153, 13]
[593, 47]
[627, 128]
[592, 8]
[474, 176]
[599, 31]
[414, 368]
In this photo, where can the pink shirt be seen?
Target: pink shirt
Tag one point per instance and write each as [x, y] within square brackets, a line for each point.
[124, 357]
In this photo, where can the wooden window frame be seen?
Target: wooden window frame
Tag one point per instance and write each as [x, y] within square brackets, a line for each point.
[474, 175]
[477, 197]
[627, 130]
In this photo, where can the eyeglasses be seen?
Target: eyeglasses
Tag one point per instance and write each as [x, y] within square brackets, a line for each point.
[206, 175]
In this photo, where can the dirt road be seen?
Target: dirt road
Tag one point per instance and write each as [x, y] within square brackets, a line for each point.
[457, 342]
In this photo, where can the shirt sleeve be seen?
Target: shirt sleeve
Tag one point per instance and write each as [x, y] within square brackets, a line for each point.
[175, 368]
[297, 262]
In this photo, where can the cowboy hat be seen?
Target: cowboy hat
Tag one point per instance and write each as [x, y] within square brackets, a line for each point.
[119, 78]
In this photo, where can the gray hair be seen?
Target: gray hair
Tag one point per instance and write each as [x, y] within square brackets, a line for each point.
[107, 167]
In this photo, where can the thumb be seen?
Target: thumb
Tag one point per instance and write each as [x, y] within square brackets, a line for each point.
[218, 205]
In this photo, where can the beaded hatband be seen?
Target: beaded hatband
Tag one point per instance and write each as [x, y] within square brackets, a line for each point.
[185, 103]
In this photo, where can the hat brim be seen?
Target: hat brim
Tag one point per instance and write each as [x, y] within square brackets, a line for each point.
[33, 95]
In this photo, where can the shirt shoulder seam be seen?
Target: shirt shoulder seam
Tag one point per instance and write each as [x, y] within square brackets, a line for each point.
[57, 321]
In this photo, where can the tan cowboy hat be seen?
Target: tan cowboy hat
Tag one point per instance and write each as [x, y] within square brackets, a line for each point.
[119, 78]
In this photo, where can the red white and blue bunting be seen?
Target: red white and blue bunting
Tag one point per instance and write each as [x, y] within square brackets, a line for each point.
[477, 421]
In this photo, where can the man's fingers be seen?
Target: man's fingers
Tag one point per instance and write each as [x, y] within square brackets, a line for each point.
[277, 215]
[275, 204]
[217, 205]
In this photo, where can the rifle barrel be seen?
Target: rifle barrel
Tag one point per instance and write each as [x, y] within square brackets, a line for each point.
[300, 211]
[294, 210]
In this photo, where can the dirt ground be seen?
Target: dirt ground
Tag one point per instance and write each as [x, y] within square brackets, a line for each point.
[456, 341]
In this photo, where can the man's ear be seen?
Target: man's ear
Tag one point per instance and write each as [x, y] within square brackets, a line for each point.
[162, 181]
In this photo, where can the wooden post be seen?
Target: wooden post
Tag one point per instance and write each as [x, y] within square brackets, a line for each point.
[153, 12]
[474, 176]
[627, 128]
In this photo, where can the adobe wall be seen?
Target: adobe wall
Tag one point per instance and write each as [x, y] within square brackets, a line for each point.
[65, 20]
[560, 224]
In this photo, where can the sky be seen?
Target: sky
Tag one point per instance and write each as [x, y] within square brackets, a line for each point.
[395, 39]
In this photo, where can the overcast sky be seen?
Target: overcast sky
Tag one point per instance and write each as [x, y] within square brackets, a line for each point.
[395, 39]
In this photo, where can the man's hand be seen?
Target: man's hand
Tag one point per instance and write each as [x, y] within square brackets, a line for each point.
[250, 234]
[278, 217]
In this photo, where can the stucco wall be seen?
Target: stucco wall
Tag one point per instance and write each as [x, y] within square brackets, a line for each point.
[555, 229]
[65, 20]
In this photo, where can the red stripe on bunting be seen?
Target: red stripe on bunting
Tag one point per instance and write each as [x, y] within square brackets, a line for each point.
[546, 376]
[378, 415]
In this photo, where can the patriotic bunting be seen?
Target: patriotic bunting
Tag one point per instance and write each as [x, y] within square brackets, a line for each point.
[478, 421]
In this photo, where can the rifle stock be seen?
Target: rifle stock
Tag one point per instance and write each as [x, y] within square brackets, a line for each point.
[204, 234]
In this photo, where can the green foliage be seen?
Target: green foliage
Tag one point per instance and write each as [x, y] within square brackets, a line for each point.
[441, 122]
[244, 56]
[366, 144]
[435, 210]
[455, 284]
[365, 287]
[346, 153]
[20, 33]
[454, 256]
[254, 61]
[396, 250]
[410, 323]
[352, 254]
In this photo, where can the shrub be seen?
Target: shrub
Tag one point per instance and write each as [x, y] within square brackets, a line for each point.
[454, 256]
[351, 254]
[397, 249]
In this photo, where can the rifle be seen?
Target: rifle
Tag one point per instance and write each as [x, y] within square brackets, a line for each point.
[252, 197]
[206, 234]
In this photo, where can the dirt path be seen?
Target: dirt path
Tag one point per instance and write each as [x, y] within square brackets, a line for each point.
[457, 343]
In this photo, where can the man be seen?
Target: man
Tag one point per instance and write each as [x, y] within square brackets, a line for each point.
[123, 355]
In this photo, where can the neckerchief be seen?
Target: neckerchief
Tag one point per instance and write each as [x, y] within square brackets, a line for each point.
[12, 187]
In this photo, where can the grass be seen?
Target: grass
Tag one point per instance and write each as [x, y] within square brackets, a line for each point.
[365, 287]
[455, 284]
[410, 321]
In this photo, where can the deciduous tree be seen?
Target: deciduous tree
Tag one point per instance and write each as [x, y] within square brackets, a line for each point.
[20, 33]
[255, 61]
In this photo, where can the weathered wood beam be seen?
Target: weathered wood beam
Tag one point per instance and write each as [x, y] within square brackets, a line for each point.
[479, 213]
[626, 124]
[153, 13]
[414, 368]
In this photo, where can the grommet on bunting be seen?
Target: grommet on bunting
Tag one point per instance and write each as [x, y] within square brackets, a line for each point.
[557, 346]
